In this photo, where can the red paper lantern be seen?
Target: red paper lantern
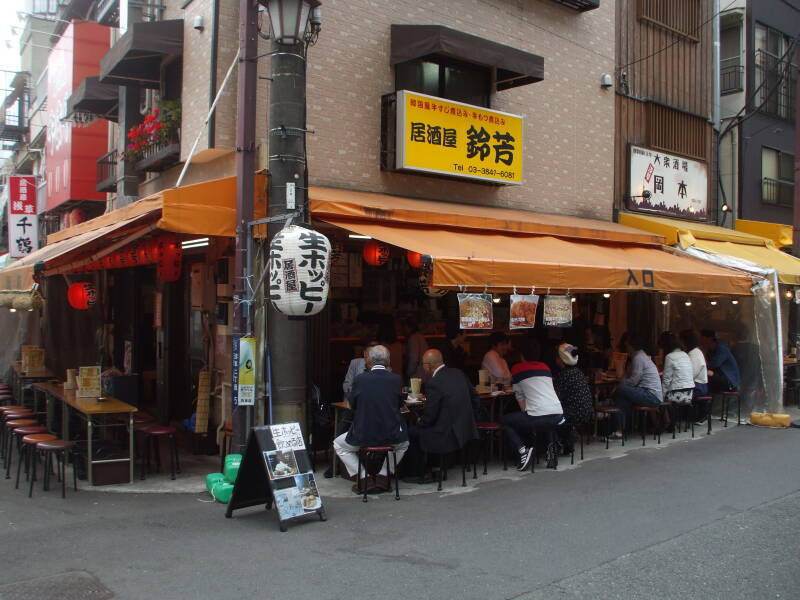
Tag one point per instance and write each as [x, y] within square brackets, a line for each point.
[414, 259]
[170, 255]
[376, 254]
[81, 295]
[107, 261]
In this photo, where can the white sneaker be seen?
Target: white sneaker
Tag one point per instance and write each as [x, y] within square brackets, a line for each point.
[525, 459]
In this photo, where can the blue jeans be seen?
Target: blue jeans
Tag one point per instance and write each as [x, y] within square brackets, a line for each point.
[700, 389]
[626, 396]
[519, 426]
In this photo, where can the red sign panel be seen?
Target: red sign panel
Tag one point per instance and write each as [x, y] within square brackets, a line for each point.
[72, 150]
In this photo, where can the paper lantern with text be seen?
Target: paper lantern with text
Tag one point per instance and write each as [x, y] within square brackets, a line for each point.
[414, 259]
[376, 253]
[299, 271]
[170, 258]
[425, 278]
[81, 295]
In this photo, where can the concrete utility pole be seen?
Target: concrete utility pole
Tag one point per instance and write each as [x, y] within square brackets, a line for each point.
[287, 165]
[245, 184]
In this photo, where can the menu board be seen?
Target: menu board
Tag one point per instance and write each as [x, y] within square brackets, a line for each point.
[276, 467]
[475, 311]
[89, 382]
[523, 311]
[557, 311]
[32, 358]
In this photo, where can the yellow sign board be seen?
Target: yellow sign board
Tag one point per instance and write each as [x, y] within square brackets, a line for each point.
[458, 140]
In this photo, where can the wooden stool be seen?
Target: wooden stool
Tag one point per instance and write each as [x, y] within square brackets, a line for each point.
[61, 450]
[643, 412]
[17, 434]
[726, 398]
[486, 430]
[705, 402]
[578, 428]
[608, 411]
[383, 450]
[28, 453]
[667, 410]
[152, 436]
[8, 427]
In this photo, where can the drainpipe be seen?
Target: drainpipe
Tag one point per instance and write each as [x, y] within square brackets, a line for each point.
[212, 80]
[716, 108]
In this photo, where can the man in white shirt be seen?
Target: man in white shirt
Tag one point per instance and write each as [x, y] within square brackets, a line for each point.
[493, 360]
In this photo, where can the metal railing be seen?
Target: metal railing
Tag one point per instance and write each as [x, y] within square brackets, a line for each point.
[107, 172]
[777, 191]
[776, 81]
[731, 75]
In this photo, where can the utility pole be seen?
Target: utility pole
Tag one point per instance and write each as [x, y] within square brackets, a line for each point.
[287, 167]
[245, 186]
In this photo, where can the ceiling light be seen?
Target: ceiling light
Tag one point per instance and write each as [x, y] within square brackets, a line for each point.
[665, 301]
[688, 303]
[196, 243]
[496, 299]
[772, 293]
[788, 293]
[12, 310]
[606, 295]
[713, 303]
[355, 236]
[734, 302]
[574, 299]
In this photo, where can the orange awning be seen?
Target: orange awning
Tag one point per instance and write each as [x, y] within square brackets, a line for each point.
[500, 262]
[329, 202]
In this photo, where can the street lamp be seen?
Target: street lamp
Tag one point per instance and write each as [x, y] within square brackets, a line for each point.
[289, 19]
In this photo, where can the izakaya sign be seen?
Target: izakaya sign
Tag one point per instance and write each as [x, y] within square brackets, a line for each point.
[23, 224]
[678, 186]
[458, 140]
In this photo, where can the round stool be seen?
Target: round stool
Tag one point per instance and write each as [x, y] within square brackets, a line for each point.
[15, 435]
[666, 410]
[727, 397]
[28, 454]
[643, 412]
[703, 403]
[609, 411]
[152, 436]
[61, 450]
[384, 451]
[8, 427]
[11, 408]
[487, 430]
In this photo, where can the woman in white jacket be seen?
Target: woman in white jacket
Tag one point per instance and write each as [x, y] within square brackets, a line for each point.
[677, 380]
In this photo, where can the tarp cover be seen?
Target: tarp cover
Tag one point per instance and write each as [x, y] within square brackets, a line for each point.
[514, 67]
[137, 56]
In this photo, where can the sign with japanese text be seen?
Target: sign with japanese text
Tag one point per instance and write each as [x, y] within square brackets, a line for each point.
[23, 224]
[458, 140]
[244, 371]
[678, 186]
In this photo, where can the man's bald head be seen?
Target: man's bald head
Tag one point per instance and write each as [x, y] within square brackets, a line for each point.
[433, 359]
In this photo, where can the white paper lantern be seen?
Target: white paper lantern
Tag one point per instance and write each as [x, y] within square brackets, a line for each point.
[299, 271]
[425, 278]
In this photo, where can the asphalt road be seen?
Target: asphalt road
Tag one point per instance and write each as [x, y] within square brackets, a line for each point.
[713, 518]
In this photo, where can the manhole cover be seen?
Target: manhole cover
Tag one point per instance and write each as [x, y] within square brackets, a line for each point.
[77, 585]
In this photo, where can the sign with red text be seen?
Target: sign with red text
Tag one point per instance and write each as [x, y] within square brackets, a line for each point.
[23, 222]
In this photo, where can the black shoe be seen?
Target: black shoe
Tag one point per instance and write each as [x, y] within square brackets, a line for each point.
[525, 459]
[328, 473]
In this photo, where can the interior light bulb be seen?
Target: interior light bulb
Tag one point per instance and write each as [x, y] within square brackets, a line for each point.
[496, 299]
[606, 295]
[772, 294]
[713, 303]
[665, 301]
[574, 299]
[12, 310]
[788, 293]
[734, 302]
[688, 303]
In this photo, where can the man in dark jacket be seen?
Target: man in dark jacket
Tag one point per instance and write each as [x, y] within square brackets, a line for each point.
[375, 401]
[447, 423]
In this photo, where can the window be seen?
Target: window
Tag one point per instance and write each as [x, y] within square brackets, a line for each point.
[682, 17]
[775, 74]
[730, 61]
[445, 78]
[676, 132]
[777, 177]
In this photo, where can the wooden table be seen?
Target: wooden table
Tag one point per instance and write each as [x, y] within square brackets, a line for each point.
[91, 410]
[20, 378]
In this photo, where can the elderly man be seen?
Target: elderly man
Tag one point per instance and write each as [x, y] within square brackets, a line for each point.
[375, 401]
[448, 423]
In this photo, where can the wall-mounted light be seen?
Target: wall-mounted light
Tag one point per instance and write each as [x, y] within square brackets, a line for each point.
[606, 295]
[734, 302]
[665, 301]
[496, 299]
[725, 208]
[688, 303]
[12, 309]
[574, 299]
[606, 81]
[197, 23]
[772, 293]
[713, 303]
[789, 294]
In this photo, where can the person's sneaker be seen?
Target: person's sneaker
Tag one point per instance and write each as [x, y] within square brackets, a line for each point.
[615, 436]
[525, 458]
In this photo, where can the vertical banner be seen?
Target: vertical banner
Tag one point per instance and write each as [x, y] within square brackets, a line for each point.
[244, 371]
[23, 222]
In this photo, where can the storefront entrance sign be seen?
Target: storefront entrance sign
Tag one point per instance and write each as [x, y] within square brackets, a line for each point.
[678, 186]
[557, 311]
[523, 311]
[299, 271]
[458, 140]
[23, 222]
[276, 468]
[475, 311]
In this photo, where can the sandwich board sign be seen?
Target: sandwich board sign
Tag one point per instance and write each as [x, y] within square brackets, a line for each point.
[276, 469]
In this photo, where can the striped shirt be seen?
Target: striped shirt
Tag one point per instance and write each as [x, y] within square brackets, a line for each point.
[533, 385]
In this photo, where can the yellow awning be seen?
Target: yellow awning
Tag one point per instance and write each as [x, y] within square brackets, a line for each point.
[778, 233]
[754, 248]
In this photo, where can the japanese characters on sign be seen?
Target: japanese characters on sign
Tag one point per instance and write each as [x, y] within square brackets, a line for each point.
[678, 186]
[23, 224]
[299, 271]
[458, 140]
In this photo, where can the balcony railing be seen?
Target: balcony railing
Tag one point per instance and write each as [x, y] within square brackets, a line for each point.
[775, 82]
[12, 128]
[160, 156]
[731, 76]
[107, 172]
[776, 191]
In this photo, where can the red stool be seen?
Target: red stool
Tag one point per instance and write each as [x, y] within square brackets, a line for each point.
[608, 411]
[705, 403]
[28, 454]
[8, 427]
[486, 430]
[152, 436]
[17, 434]
[643, 412]
[61, 450]
[384, 450]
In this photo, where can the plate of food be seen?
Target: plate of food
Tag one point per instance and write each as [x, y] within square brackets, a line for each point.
[309, 499]
[475, 311]
[282, 469]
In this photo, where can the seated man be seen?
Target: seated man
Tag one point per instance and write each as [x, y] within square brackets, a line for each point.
[493, 360]
[641, 385]
[375, 401]
[447, 423]
[723, 372]
[540, 409]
